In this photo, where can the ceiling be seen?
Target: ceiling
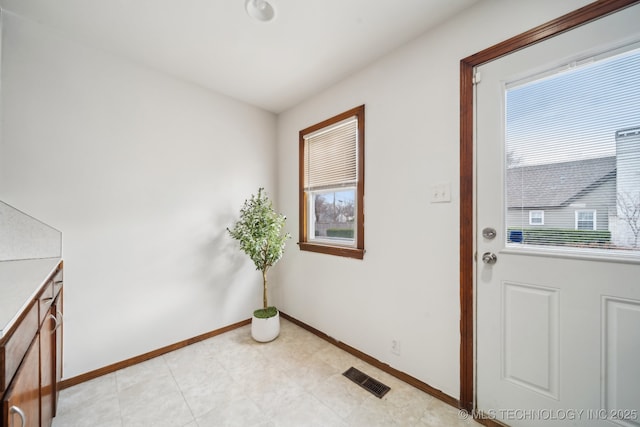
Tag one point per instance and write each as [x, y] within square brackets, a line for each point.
[310, 45]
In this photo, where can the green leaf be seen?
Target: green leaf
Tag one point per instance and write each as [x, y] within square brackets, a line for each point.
[259, 230]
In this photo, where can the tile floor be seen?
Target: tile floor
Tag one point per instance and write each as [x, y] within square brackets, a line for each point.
[230, 380]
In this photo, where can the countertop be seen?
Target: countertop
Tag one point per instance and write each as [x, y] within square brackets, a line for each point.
[20, 281]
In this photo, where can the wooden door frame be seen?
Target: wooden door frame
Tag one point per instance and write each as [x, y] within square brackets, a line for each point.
[564, 23]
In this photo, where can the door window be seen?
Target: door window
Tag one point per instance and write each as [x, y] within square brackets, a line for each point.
[572, 155]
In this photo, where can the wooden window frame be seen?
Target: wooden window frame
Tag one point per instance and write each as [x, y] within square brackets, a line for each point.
[356, 251]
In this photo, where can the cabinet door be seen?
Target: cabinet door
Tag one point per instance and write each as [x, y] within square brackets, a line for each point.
[16, 345]
[22, 400]
[47, 367]
[57, 364]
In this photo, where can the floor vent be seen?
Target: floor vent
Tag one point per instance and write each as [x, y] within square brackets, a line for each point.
[365, 381]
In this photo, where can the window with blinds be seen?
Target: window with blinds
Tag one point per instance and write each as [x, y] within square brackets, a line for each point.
[330, 158]
[572, 156]
[332, 184]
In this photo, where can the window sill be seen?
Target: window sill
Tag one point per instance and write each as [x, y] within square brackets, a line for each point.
[332, 250]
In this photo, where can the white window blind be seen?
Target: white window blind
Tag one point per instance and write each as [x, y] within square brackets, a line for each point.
[330, 156]
[572, 150]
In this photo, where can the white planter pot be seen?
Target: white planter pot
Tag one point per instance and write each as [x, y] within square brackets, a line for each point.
[265, 330]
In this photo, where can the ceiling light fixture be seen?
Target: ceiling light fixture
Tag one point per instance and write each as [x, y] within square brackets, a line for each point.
[260, 10]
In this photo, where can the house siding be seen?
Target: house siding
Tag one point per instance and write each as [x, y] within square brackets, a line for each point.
[602, 199]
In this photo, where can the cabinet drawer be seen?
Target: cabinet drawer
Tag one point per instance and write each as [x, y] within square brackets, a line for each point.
[16, 345]
[45, 299]
[57, 282]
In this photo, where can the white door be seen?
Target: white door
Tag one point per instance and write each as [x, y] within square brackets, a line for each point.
[558, 291]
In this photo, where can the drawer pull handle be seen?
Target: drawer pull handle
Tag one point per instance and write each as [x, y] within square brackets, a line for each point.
[55, 319]
[46, 299]
[15, 410]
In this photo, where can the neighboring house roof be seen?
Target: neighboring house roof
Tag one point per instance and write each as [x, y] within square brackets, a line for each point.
[556, 184]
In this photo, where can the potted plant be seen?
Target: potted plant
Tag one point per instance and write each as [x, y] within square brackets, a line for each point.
[260, 233]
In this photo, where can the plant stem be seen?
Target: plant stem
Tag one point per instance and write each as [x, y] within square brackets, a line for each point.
[264, 288]
[264, 276]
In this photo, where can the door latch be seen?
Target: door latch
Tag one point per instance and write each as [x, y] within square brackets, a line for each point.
[489, 233]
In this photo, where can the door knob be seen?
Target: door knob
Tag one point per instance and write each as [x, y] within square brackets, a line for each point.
[489, 258]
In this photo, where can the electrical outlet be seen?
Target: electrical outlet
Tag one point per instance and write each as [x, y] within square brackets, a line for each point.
[395, 347]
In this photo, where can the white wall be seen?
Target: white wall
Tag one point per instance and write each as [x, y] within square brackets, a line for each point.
[407, 286]
[142, 173]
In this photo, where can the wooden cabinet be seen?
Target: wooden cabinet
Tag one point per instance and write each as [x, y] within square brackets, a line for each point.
[51, 353]
[57, 354]
[47, 333]
[21, 405]
[31, 359]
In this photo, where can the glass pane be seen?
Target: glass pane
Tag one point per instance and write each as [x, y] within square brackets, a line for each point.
[334, 216]
[536, 217]
[572, 142]
[585, 220]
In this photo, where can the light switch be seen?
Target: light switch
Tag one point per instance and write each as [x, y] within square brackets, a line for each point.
[441, 193]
